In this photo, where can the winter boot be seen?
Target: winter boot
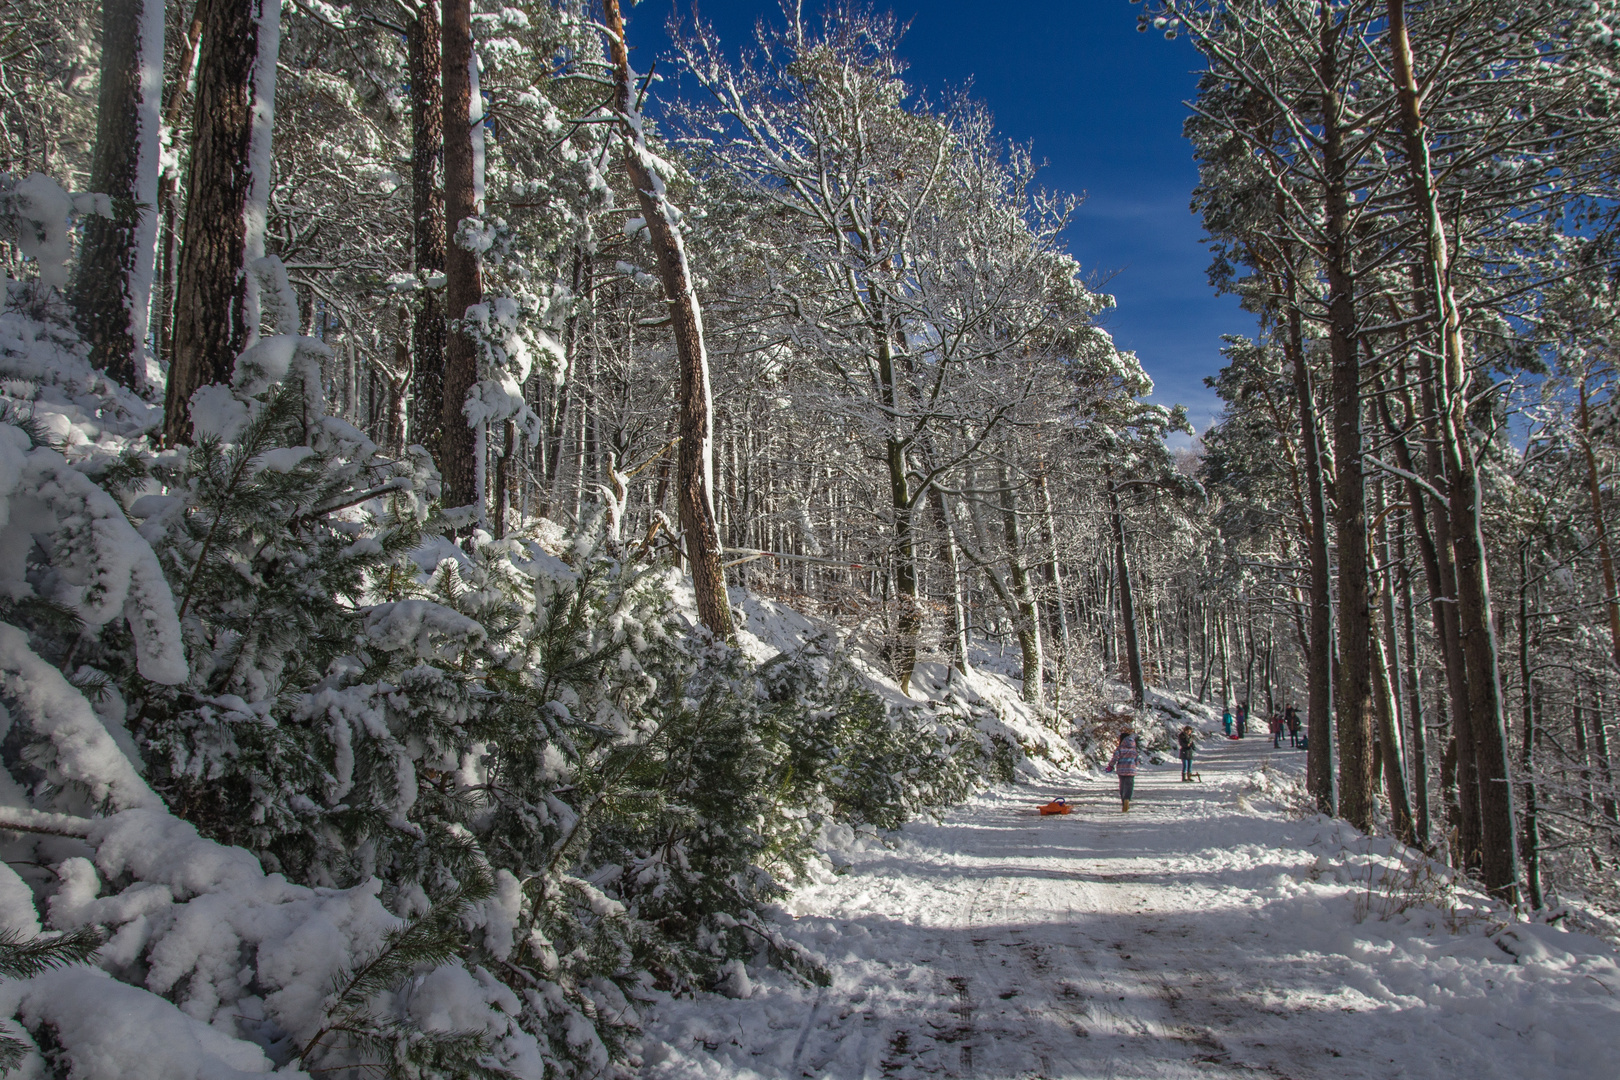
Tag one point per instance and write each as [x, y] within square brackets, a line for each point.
[1126, 807]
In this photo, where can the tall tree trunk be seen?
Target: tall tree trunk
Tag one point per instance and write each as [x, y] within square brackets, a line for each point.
[1319, 658]
[908, 621]
[1414, 697]
[950, 557]
[211, 318]
[695, 461]
[427, 225]
[1389, 744]
[1594, 495]
[1386, 690]
[1027, 615]
[1600, 740]
[1060, 614]
[112, 290]
[1127, 604]
[1353, 699]
[464, 284]
[1458, 774]
[1499, 862]
[1527, 757]
[168, 199]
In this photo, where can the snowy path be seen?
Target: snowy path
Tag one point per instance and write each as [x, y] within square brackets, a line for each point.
[1205, 934]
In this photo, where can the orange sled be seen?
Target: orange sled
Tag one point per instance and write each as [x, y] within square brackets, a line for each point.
[1057, 806]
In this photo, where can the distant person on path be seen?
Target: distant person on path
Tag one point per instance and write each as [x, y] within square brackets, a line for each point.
[1291, 718]
[1124, 764]
[1187, 744]
[1276, 731]
[1242, 719]
[1226, 719]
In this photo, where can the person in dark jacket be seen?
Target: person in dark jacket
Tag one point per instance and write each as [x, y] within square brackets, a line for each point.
[1291, 718]
[1126, 755]
[1187, 744]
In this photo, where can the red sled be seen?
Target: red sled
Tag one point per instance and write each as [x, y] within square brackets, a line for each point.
[1056, 806]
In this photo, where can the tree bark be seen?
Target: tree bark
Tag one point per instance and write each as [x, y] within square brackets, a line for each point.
[1353, 699]
[695, 461]
[1527, 748]
[950, 557]
[1499, 847]
[168, 199]
[210, 320]
[1389, 744]
[1319, 657]
[1127, 604]
[1459, 774]
[112, 290]
[464, 284]
[908, 622]
[1027, 613]
[427, 225]
[1414, 696]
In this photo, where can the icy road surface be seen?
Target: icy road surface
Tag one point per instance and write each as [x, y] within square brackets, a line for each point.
[1208, 933]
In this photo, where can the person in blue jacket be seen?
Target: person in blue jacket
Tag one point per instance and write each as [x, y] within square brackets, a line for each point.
[1226, 721]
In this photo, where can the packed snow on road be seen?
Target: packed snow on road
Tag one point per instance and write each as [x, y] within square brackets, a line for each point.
[1215, 930]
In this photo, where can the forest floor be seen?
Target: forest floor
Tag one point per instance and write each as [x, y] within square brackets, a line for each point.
[1214, 931]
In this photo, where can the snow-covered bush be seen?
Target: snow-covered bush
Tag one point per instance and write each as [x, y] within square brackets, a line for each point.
[342, 794]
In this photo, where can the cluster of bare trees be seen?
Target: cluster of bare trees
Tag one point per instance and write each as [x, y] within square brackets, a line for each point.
[833, 324]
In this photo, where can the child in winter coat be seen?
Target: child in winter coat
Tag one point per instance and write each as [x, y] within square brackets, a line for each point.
[1124, 764]
[1226, 720]
[1187, 743]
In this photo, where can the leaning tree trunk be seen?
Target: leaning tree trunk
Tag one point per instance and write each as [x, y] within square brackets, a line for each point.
[427, 224]
[463, 284]
[695, 460]
[112, 291]
[211, 321]
[1354, 697]
[1499, 848]
[1389, 744]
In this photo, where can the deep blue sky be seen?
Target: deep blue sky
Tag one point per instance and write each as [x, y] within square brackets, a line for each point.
[1102, 104]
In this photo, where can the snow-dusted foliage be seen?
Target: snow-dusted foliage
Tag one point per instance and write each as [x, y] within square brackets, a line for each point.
[337, 796]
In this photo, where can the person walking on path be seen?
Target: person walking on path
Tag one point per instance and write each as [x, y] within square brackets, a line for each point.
[1123, 764]
[1242, 720]
[1226, 720]
[1187, 745]
[1276, 731]
[1291, 718]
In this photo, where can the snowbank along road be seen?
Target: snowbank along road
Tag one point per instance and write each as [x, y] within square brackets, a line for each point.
[1208, 933]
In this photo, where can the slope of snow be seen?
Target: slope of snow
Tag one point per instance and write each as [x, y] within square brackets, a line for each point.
[766, 628]
[1212, 932]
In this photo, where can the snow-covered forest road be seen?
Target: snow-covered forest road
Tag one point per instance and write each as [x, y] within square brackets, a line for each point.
[1208, 933]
